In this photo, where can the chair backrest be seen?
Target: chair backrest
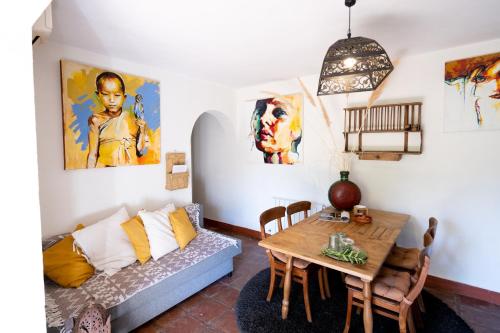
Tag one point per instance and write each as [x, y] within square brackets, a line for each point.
[296, 207]
[270, 215]
[427, 250]
[429, 235]
[433, 223]
[420, 279]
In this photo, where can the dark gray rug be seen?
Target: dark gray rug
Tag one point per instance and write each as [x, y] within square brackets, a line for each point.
[255, 314]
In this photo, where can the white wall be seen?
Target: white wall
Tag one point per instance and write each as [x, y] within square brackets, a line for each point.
[84, 196]
[456, 178]
[18, 176]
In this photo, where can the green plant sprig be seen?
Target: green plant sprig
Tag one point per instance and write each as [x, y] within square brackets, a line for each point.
[348, 254]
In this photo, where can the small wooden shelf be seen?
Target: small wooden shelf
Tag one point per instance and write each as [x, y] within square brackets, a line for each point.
[402, 118]
[382, 131]
[176, 181]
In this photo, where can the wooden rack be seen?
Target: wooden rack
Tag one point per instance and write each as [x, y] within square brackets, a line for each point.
[389, 118]
[179, 180]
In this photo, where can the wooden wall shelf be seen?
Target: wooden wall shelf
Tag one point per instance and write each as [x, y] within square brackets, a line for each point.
[176, 181]
[403, 118]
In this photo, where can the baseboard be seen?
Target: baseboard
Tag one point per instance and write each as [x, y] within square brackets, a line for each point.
[232, 228]
[432, 282]
[463, 289]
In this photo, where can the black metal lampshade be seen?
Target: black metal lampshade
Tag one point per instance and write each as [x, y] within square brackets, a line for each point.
[352, 65]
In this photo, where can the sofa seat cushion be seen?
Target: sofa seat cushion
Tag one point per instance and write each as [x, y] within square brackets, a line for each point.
[110, 291]
[403, 258]
[389, 283]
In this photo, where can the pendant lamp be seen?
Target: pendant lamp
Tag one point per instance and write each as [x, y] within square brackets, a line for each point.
[353, 64]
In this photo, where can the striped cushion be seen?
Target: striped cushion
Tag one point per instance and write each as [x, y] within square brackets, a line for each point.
[299, 263]
[403, 258]
[389, 283]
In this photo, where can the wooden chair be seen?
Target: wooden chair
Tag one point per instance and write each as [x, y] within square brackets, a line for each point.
[277, 261]
[393, 293]
[406, 259]
[297, 207]
[305, 207]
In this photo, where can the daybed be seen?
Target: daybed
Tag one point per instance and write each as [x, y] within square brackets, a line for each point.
[138, 292]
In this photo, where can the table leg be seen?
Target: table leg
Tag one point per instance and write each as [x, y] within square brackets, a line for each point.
[286, 289]
[367, 307]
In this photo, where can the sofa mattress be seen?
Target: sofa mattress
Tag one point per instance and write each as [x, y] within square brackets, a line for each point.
[64, 303]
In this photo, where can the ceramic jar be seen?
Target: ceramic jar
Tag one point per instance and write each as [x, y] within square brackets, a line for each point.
[344, 194]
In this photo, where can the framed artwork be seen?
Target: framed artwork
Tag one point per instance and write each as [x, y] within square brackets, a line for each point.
[277, 128]
[110, 118]
[472, 93]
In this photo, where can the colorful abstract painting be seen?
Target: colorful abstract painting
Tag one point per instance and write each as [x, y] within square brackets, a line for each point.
[276, 126]
[472, 93]
[109, 118]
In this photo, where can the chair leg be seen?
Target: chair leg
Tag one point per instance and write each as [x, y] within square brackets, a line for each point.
[349, 309]
[326, 282]
[321, 285]
[421, 305]
[402, 320]
[282, 282]
[411, 323]
[305, 285]
[417, 316]
[271, 284]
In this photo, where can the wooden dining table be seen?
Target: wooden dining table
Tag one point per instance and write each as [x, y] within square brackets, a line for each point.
[307, 238]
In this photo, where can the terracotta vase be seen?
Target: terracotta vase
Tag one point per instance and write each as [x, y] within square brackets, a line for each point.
[344, 194]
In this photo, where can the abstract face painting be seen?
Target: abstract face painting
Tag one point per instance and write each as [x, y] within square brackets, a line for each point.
[276, 125]
[109, 118]
[472, 93]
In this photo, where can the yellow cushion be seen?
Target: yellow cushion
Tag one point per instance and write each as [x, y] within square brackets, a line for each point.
[64, 266]
[134, 228]
[183, 229]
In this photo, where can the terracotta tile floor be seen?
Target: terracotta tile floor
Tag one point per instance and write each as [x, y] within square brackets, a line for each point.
[212, 309]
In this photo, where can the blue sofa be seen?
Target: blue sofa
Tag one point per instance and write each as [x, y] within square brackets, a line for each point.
[164, 294]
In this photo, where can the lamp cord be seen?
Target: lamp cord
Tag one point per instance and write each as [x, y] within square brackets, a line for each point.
[349, 30]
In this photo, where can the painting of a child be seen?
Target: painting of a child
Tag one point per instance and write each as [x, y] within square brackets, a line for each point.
[114, 124]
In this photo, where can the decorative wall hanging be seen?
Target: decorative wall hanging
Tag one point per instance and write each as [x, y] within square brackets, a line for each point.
[384, 132]
[353, 64]
[472, 93]
[176, 180]
[109, 118]
[276, 126]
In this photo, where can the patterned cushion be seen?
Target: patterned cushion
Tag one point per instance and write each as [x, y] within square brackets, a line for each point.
[299, 263]
[404, 258]
[48, 242]
[193, 211]
[389, 283]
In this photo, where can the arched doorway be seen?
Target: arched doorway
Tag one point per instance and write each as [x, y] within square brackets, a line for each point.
[211, 147]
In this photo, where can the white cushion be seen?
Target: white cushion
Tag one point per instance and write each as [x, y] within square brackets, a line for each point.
[159, 230]
[105, 244]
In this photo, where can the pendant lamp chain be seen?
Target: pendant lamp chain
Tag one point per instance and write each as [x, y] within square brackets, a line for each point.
[349, 30]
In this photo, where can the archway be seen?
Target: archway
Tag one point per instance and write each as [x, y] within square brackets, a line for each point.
[211, 150]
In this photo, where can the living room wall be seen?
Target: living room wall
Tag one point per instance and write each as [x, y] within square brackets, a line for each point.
[69, 197]
[455, 179]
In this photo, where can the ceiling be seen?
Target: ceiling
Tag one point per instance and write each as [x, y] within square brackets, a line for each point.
[245, 42]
